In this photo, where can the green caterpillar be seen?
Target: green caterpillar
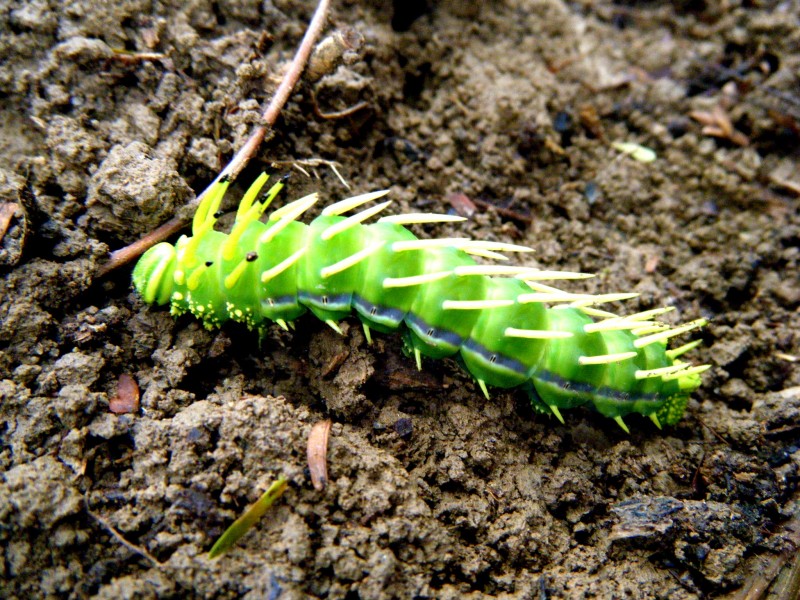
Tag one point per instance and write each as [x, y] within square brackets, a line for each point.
[509, 329]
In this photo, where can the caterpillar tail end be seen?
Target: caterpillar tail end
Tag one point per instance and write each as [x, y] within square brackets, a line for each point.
[672, 410]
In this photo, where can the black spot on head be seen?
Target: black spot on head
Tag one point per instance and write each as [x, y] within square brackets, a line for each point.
[209, 263]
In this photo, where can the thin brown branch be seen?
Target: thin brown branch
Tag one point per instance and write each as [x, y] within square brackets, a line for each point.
[119, 537]
[246, 152]
[125, 255]
[339, 114]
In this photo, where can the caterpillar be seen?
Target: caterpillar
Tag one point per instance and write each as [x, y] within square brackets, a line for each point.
[506, 327]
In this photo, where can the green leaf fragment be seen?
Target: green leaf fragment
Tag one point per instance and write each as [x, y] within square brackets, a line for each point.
[241, 525]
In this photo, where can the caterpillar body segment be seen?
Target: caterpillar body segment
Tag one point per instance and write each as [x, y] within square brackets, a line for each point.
[506, 328]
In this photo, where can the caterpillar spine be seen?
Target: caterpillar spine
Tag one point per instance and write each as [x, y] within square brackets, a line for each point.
[508, 329]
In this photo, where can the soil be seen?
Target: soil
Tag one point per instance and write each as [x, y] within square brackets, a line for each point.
[503, 111]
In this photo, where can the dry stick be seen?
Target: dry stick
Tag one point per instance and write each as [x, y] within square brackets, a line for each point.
[239, 161]
[119, 537]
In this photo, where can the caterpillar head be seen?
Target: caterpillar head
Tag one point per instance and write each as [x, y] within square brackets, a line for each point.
[153, 276]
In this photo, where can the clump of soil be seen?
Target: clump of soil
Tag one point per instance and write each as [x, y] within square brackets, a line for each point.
[433, 491]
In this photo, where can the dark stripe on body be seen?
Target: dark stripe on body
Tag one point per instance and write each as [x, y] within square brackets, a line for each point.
[280, 302]
[587, 388]
[505, 362]
[342, 302]
[333, 303]
[376, 312]
[423, 330]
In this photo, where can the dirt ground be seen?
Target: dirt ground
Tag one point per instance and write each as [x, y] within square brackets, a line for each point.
[506, 111]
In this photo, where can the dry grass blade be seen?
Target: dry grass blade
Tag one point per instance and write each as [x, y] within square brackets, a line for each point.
[318, 454]
[243, 524]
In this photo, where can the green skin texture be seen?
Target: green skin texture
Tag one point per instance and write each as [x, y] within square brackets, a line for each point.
[552, 377]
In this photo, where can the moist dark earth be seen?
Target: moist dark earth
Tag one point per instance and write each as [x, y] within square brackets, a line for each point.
[115, 115]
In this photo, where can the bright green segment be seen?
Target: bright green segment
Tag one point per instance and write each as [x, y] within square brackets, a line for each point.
[428, 304]
[387, 264]
[488, 330]
[330, 297]
[275, 271]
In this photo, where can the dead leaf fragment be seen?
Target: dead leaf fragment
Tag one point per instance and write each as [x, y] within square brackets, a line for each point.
[7, 211]
[318, 454]
[462, 204]
[717, 123]
[127, 398]
[652, 264]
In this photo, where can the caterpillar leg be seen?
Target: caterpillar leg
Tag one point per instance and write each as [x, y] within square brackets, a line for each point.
[482, 385]
[334, 325]
[557, 413]
[539, 405]
[621, 423]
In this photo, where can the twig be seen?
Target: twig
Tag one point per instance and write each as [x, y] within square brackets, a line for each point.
[239, 161]
[113, 531]
[711, 429]
[126, 57]
[504, 212]
[339, 114]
